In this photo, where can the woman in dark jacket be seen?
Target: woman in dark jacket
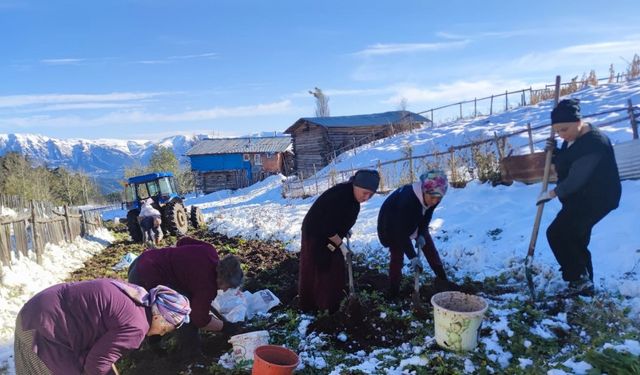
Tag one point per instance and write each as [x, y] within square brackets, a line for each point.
[588, 188]
[85, 327]
[321, 282]
[191, 269]
[405, 216]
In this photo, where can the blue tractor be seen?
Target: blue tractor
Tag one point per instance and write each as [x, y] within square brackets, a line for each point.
[161, 187]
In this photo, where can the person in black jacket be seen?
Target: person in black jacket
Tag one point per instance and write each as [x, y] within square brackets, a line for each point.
[321, 279]
[405, 216]
[588, 188]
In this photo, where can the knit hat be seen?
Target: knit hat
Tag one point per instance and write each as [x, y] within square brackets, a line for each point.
[173, 306]
[434, 182]
[366, 179]
[568, 110]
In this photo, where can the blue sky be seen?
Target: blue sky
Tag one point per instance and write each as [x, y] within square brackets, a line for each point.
[146, 69]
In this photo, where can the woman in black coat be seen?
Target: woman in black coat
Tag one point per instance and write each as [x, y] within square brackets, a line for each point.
[321, 281]
[405, 216]
[588, 188]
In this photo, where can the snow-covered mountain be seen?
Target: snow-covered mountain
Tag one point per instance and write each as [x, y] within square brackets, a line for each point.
[104, 159]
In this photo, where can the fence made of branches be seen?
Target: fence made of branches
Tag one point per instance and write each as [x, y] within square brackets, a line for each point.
[479, 159]
[30, 226]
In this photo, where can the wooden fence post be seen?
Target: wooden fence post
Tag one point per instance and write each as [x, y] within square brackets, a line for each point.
[315, 175]
[460, 109]
[506, 100]
[530, 137]
[35, 234]
[491, 106]
[380, 174]
[67, 224]
[411, 174]
[452, 165]
[632, 120]
[432, 117]
[475, 107]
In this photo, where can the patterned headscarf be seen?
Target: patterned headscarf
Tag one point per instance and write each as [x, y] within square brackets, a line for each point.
[173, 306]
[434, 182]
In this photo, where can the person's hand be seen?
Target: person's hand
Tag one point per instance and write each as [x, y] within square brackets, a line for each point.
[550, 145]
[420, 242]
[545, 197]
[415, 265]
[345, 250]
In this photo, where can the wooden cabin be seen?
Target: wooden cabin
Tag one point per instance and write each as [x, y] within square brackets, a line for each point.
[317, 140]
[232, 163]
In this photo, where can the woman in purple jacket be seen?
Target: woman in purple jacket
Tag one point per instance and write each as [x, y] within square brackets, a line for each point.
[85, 327]
[191, 269]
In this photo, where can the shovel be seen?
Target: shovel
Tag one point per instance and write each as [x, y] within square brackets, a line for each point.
[353, 308]
[536, 225]
[415, 297]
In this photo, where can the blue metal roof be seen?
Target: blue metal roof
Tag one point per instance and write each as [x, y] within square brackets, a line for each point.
[148, 177]
[240, 145]
[374, 119]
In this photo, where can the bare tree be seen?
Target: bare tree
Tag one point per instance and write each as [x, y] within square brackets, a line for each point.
[322, 103]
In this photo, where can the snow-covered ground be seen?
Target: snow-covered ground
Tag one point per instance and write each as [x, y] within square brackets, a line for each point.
[480, 231]
[25, 277]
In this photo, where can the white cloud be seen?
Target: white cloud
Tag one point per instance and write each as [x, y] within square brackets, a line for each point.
[451, 93]
[208, 55]
[61, 61]
[25, 100]
[127, 118]
[395, 48]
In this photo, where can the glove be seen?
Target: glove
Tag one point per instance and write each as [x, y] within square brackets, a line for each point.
[544, 197]
[550, 145]
[345, 250]
[420, 242]
[415, 265]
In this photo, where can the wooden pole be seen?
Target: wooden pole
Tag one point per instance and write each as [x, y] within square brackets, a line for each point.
[491, 106]
[497, 140]
[475, 107]
[632, 119]
[35, 234]
[67, 224]
[411, 174]
[530, 133]
[432, 117]
[506, 100]
[380, 174]
[460, 109]
[315, 175]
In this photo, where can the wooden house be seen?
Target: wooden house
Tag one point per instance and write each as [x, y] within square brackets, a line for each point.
[232, 163]
[317, 140]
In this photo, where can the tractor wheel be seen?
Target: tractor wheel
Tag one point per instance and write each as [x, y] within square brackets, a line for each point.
[134, 227]
[196, 218]
[175, 219]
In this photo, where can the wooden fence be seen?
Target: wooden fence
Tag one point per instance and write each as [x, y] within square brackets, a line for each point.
[31, 228]
[475, 160]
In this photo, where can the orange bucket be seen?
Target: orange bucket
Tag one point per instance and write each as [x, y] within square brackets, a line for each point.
[274, 360]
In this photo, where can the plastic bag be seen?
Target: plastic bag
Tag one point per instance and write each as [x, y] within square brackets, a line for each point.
[235, 305]
[260, 302]
[125, 262]
[231, 304]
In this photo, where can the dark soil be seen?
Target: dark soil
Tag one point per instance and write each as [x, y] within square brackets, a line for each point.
[370, 321]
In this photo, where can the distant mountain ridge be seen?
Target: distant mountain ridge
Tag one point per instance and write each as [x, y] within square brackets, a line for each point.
[103, 159]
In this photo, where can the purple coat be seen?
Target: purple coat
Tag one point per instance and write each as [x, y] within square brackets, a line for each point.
[84, 327]
[189, 268]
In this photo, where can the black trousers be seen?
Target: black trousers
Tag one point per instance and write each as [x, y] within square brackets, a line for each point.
[569, 235]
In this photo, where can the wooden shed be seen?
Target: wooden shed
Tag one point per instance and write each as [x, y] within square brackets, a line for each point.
[317, 140]
[232, 163]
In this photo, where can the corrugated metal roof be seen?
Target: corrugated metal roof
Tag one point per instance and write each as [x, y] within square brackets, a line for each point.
[628, 159]
[240, 145]
[373, 119]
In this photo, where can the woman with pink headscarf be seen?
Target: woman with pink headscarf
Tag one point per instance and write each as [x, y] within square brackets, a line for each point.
[85, 327]
[404, 217]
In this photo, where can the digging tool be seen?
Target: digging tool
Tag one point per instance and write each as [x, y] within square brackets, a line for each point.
[536, 224]
[353, 308]
[417, 303]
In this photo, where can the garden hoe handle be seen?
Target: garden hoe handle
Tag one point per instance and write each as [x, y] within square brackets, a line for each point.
[536, 223]
[352, 290]
[416, 282]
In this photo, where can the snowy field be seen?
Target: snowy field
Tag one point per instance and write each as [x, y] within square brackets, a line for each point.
[480, 231]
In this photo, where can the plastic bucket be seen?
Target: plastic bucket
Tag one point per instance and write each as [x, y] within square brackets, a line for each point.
[457, 318]
[245, 344]
[274, 360]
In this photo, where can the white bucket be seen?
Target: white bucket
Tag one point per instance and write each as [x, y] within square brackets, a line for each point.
[246, 343]
[457, 318]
